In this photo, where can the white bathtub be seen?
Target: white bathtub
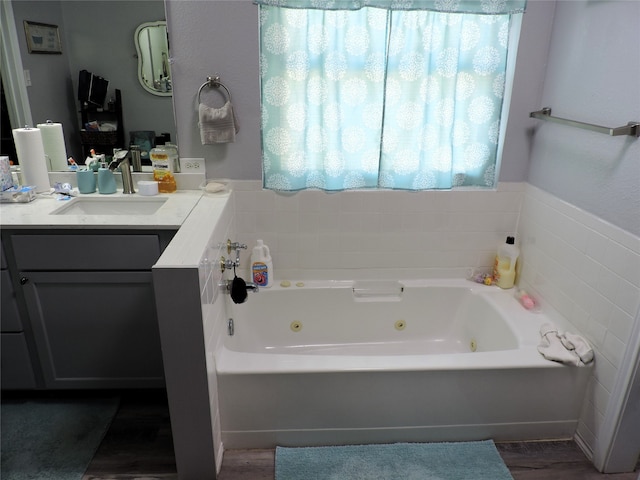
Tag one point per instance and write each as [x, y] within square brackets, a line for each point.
[339, 362]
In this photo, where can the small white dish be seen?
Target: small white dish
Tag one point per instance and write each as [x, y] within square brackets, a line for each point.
[147, 187]
[212, 186]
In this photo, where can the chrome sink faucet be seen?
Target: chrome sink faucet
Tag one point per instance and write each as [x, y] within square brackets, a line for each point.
[121, 159]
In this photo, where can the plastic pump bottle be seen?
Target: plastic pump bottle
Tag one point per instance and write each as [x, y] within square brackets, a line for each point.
[106, 180]
[261, 265]
[504, 268]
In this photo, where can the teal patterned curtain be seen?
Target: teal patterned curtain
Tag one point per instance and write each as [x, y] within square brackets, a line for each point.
[379, 98]
[480, 7]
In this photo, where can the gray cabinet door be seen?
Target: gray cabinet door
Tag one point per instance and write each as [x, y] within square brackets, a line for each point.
[95, 329]
[16, 372]
[9, 314]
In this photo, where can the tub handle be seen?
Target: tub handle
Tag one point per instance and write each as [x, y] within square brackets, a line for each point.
[377, 289]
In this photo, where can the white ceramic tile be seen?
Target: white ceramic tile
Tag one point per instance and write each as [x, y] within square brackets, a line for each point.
[605, 372]
[599, 308]
[283, 202]
[309, 201]
[600, 397]
[613, 349]
[308, 222]
[608, 284]
[350, 221]
[620, 323]
[586, 435]
[579, 317]
[597, 245]
[353, 202]
[263, 201]
[588, 271]
[623, 262]
[628, 297]
[595, 333]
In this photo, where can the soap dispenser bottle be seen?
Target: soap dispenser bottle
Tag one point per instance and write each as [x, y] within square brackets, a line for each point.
[504, 267]
[261, 265]
[106, 180]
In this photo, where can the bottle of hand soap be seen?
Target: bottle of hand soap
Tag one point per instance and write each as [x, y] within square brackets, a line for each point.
[161, 161]
[261, 265]
[504, 267]
[106, 180]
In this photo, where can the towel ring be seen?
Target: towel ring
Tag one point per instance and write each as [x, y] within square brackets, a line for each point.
[213, 82]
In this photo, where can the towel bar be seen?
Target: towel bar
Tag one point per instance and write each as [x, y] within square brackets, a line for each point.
[632, 128]
[213, 82]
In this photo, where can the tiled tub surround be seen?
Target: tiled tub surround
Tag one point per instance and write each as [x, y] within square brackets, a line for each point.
[580, 267]
[589, 271]
[585, 270]
[377, 234]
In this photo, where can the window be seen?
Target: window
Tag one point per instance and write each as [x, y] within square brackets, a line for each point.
[380, 98]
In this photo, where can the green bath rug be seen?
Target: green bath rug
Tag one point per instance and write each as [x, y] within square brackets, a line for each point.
[406, 461]
[52, 439]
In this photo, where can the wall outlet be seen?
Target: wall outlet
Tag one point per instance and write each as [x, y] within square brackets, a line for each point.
[192, 165]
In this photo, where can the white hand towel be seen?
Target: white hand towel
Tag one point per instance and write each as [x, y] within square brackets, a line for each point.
[564, 347]
[217, 125]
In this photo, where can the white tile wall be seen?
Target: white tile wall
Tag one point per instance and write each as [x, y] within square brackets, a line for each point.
[213, 311]
[351, 234]
[589, 271]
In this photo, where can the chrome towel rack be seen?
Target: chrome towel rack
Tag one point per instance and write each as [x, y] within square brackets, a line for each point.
[213, 82]
[632, 128]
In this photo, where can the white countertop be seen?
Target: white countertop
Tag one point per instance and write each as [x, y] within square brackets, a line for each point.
[37, 214]
[189, 243]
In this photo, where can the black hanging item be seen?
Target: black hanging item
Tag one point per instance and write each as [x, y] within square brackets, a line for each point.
[238, 288]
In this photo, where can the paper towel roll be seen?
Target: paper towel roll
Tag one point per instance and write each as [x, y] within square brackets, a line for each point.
[53, 142]
[31, 157]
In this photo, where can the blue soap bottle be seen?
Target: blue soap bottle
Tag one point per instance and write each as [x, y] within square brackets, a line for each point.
[106, 180]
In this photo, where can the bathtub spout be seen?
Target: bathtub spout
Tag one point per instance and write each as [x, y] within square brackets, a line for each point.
[249, 286]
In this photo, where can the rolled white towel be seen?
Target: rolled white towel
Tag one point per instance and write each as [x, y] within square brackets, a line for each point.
[565, 348]
[579, 345]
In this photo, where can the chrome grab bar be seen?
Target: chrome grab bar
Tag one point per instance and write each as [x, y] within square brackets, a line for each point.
[632, 128]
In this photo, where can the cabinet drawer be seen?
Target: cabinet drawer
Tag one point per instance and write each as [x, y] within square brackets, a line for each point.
[86, 252]
[16, 371]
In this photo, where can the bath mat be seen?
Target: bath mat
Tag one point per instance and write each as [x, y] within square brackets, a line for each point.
[406, 461]
[52, 439]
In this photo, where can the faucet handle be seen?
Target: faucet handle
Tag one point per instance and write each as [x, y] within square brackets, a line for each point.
[120, 154]
[235, 246]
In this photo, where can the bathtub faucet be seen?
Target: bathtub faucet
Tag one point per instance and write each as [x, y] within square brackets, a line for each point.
[237, 247]
[226, 286]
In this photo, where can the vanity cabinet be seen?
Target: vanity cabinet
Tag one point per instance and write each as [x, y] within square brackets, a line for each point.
[16, 371]
[90, 302]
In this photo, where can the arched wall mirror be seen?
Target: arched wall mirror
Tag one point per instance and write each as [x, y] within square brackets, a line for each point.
[154, 72]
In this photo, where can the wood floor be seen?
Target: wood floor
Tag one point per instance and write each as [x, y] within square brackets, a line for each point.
[138, 446]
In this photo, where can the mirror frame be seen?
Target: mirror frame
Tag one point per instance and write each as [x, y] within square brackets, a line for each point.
[159, 23]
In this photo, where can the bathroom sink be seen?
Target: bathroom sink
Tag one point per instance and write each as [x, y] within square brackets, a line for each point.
[111, 206]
